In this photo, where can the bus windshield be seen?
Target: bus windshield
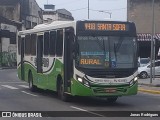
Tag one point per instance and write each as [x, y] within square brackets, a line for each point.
[106, 52]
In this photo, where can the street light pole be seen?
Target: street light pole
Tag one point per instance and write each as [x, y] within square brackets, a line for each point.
[152, 44]
[106, 12]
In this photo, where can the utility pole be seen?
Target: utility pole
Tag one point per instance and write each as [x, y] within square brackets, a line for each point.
[88, 9]
[152, 44]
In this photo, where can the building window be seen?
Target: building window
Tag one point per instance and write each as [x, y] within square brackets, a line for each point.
[12, 38]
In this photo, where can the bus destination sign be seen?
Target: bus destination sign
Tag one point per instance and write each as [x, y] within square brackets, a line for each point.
[106, 26]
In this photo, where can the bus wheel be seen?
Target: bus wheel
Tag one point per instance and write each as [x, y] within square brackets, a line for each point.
[112, 99]
[32, 87]
[61, 94]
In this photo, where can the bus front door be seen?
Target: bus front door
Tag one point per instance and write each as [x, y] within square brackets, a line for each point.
[68, 60]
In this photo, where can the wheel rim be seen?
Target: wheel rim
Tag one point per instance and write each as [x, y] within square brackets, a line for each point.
[144, 75]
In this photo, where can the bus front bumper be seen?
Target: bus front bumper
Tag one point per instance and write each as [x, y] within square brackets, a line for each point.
[78, 89]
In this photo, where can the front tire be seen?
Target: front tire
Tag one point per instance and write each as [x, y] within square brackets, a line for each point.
[32, 87]
[63, 96]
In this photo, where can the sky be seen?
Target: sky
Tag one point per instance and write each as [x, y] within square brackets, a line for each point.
[79, 8]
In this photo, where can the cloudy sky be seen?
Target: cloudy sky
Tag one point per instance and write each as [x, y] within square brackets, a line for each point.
[79, 8]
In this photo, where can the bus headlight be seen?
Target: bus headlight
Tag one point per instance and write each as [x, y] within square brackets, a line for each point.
[135, 79]
[83, 81]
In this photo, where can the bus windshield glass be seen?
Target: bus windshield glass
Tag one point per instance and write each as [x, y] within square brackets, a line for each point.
[106, 52]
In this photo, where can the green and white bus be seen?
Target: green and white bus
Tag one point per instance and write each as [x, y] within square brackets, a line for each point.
[80, 58]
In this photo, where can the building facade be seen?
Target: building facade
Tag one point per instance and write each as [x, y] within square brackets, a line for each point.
[15, 15]
[140, 12]
[31, 14]
[50, 15]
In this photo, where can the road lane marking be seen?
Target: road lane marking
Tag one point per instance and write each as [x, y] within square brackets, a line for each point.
[12, 82]
[29, 93]
[78, 108]
[10, 87]
[87, 111]
[24, 86]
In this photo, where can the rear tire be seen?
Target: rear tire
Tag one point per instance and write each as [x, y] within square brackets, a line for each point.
[32, 87]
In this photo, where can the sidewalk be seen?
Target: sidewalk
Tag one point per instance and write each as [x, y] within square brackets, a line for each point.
[14, 67]
[146, 86]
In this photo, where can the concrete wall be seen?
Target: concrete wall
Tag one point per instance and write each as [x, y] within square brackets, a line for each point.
[11, 12]
[7, 50]
[140, 12]
[31, 14]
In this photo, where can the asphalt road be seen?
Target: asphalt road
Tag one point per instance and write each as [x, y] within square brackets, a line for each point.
[15, 96]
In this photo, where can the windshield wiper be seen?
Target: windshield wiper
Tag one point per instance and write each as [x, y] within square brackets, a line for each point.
[102, 46]
[115, 52]
[120, 40]
[117, 47]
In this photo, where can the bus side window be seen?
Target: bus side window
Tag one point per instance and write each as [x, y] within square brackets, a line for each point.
[59, 43]
[27, 44]
[52, 43]
[33, 44]
[46, 43]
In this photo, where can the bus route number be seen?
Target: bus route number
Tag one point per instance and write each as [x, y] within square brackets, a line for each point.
[105, 26]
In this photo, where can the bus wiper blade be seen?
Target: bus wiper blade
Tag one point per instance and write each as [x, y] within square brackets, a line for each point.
[115, 52]
[101, 45]
[118, 44]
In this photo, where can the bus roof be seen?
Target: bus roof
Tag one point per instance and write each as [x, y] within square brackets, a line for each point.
[48, 26]
[56, 25]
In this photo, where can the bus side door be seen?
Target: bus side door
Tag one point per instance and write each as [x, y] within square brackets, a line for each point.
[22, 59]
[40, 61]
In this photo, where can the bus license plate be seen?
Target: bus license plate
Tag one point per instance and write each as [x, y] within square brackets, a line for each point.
[110, 90]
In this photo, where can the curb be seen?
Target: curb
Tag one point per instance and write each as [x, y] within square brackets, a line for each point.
[149, 91]
[2, 68]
